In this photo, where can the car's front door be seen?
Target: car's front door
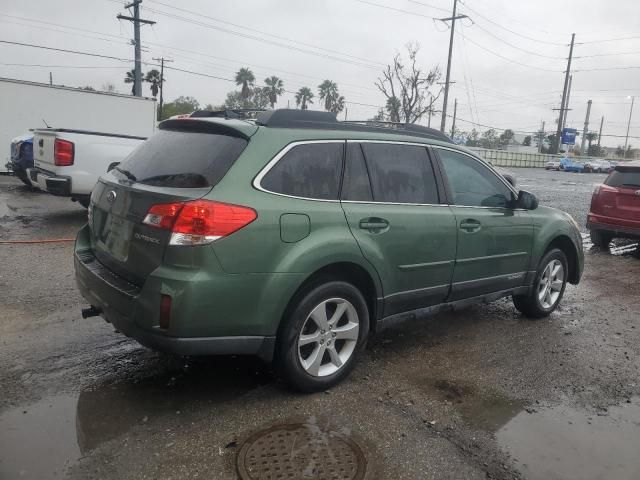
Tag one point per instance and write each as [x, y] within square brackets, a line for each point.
[391, 201]
[494, 238]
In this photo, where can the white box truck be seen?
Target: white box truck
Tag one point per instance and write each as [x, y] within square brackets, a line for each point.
[26, 106]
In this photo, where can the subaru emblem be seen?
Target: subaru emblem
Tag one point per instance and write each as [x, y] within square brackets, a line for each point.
[111, 196]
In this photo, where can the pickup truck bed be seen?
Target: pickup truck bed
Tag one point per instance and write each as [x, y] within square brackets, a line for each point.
[68, 163]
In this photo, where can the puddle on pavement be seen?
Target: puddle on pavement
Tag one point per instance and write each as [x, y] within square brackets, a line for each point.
[483, 410]
[39, 441]
[568, 444]
[618, 247]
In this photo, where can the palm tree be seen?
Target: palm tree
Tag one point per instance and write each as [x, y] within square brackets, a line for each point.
[328, 91]
[274, 88]
[153, 77]
[338, 105]
[245, 78]
[393, 109]
[304, 96]
[130, 77]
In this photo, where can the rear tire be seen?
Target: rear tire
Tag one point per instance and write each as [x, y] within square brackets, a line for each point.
[548, 286]
[321, 337]
[600, 238]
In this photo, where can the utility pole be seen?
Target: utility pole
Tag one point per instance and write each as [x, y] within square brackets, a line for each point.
[136, 20]
[161, 60]
[600, 134]
[541, 138]
[556, 147]
[455, 113]
[452, 18]
[586, 128]
[566, 107]
[626, 141]
[50, 78]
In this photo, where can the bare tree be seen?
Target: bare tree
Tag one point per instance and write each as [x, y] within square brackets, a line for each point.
[406, 86]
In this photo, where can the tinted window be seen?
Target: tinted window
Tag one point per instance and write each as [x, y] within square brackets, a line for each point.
[310, 171]
[183, 159]
[624, 177]
[355, 184]
[473, 184]
[400, 173]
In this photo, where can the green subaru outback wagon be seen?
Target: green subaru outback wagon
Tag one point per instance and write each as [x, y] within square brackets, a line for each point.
[295, 236]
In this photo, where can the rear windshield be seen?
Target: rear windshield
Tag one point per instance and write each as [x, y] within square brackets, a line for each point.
[624, 178]
[183, 159]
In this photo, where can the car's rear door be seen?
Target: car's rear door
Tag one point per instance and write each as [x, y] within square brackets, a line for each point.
[391, 201]
[494, 239]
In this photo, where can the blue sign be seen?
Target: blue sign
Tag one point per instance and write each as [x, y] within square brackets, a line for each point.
[569, 136]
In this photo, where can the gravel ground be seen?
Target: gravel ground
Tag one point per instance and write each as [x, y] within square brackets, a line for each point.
[479, 393]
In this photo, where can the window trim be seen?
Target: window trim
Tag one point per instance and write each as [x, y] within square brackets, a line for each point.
[257, 181]
[490, 168]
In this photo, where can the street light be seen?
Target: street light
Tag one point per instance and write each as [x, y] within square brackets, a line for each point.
[626, 141]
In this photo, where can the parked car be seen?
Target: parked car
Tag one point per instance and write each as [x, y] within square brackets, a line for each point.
[569, 165]
[21, 157]
[295, 236]
[552, 165]
[597, 166]
[615, 206]
[612, 165]
[68, 163]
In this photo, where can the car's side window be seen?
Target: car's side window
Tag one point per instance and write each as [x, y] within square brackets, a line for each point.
[311, 171]
[400, 173]
[355, 183]
[472, 184]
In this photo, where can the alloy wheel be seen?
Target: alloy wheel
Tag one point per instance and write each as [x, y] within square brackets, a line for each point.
[550, 285]
[328, 337]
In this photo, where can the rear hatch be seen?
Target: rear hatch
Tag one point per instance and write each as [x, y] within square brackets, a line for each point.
[182, 162]
[620, 194]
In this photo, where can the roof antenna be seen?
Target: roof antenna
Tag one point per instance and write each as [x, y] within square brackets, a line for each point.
[45, 122]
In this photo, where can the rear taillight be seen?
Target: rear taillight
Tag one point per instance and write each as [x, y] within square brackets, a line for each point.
[199, 222]
[63, 152]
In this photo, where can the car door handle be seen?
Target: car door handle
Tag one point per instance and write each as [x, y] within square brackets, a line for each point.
[470, 225]
[373, 224]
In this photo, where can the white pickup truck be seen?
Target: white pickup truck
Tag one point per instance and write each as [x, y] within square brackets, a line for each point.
[68, 163]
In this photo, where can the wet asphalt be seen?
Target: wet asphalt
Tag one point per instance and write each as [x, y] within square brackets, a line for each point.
[478, 393]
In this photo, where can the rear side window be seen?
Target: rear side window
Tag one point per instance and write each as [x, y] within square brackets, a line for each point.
[183, 159]
[400, 173]
[624, 177]
[309, 171]
[355, 184]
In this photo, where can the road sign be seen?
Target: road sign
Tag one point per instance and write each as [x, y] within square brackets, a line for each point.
[569, 136]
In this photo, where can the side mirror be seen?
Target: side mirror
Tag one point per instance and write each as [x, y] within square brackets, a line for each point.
[526, 200]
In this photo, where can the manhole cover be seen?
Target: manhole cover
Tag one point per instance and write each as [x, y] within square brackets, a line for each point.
[300, 451]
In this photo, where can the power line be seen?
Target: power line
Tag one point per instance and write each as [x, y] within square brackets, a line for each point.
[635, 37]
[65, 50]
[509, 30]
[60, 66]
[529, 52]
[279, 37]
[511, 59]
[263, 40]
[598, 69]
[408, 12]
[607, 54]
[429, 6]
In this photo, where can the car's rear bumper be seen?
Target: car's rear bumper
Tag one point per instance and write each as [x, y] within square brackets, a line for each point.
[206, 318]
[54, 184]
[618, 226]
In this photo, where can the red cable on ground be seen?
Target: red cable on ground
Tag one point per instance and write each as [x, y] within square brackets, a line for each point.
[51, 240]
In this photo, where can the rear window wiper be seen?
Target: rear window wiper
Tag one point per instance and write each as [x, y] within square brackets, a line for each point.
[126, 173]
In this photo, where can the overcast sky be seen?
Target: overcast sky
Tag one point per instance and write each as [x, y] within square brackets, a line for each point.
[507, 63]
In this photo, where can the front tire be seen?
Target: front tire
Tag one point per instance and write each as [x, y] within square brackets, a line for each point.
[600, 238]
[321, 337]
[548, 286]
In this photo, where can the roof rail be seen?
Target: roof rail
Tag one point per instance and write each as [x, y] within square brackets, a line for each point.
[236, 113]
[289, 118]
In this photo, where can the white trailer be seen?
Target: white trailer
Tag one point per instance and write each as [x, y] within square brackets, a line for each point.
[29, 105]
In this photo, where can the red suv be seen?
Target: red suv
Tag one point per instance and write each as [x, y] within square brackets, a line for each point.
[615, 205]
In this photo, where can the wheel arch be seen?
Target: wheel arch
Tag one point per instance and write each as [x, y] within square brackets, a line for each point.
[348, 271]
[567, 246]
